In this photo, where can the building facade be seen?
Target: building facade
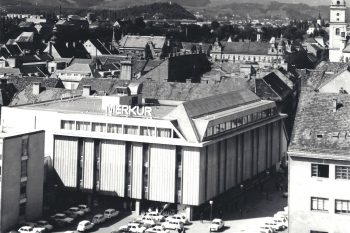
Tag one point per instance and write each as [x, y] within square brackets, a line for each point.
[319, 165]
[171, 152]
[22, 177]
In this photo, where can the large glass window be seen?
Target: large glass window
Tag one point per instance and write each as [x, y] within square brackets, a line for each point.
[163, 132]
[147, 131]
[131, 129]
[81, 125]
[320, 170]
[98, 127]
[342, 206]
[342, 172]
[318, 203]
[68, 125]
[113, 128]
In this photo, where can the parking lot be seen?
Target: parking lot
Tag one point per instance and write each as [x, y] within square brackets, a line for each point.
[257, 207]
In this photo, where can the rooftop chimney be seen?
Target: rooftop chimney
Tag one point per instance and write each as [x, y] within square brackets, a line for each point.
[334, 105]
[126, 70]
[86, 90]
[36, 88]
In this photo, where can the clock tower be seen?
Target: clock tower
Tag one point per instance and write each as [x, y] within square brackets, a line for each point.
[337, 30]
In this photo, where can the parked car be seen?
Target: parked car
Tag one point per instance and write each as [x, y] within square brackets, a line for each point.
[85, 225]
[148, 221]
[98, 218]
[267, 229]
[156, 216]
[110, 213]
[133, 227]
[157, 229]
[29, 229]
[62, 219]
[179, 217]
[84, 208]
[275, 226]
[282, 222]
[216, 225]
[173, 225]
[45, 224]
[71, 214]
[76, 211]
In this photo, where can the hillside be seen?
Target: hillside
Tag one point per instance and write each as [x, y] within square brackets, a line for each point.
[270, 10]
[101, 4]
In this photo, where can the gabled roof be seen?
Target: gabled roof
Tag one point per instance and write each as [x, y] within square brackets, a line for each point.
[22, 83]
[26, 96]
[221, 102]
[27, 37]
[132, 41]
[99, 46]
[317, 129]
[250, 48]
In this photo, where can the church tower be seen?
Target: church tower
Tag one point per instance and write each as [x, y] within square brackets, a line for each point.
[337, 30]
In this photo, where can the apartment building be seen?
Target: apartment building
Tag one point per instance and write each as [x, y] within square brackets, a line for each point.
[22, 177]
[319, 165]
[183, 152]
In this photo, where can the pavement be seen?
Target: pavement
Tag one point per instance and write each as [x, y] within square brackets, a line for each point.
[257, 207]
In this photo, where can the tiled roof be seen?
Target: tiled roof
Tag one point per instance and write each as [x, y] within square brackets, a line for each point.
[21, 83]
[132, 41]
[168, 90]
[253, 48]
[317, 129]
[26, 96]
[264, 91]
[213, 104]
[188, 46]
[277, 85]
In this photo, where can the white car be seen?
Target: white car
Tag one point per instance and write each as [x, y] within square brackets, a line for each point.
[45, 224]
[133, 227]
[157, 229]
[148, 221]
[29, 229]
[98, 218]
[84, 208]
[173, 225]
[179, 217]
[216, 225]
[85, 226]
[282, 222]
[110, 213]
[76, 211]
[156, 216]
[267, 229]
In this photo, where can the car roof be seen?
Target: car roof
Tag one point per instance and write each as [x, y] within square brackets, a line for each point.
[84, 221]
[98, 215]
[109, 210]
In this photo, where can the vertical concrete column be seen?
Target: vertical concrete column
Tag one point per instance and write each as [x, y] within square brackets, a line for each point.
[137, 207]
[189, 212]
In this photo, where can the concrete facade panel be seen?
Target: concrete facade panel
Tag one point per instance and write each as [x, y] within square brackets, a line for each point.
[66, 160]
[162, 173]
[112, 169]
[137, 165]
[191, 176]
[88, 164]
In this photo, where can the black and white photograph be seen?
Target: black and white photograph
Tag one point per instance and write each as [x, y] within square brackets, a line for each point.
[181, 116]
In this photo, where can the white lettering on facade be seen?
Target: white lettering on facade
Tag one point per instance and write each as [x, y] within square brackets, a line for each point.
[126, 110]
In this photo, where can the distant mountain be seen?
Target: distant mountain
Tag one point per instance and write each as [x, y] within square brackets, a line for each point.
[310, 2]
[98, 4]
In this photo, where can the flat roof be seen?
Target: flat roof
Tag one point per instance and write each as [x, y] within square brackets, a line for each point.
[10, 132]
[89, 105]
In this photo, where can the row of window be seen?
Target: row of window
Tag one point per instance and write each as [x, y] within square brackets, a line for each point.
[322, 170]
[321, 204]
[118, 129]
[219, 128]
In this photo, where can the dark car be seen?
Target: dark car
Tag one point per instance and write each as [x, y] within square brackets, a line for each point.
[71, 214]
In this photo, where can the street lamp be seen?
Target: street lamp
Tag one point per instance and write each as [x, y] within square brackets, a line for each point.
[211, 209]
